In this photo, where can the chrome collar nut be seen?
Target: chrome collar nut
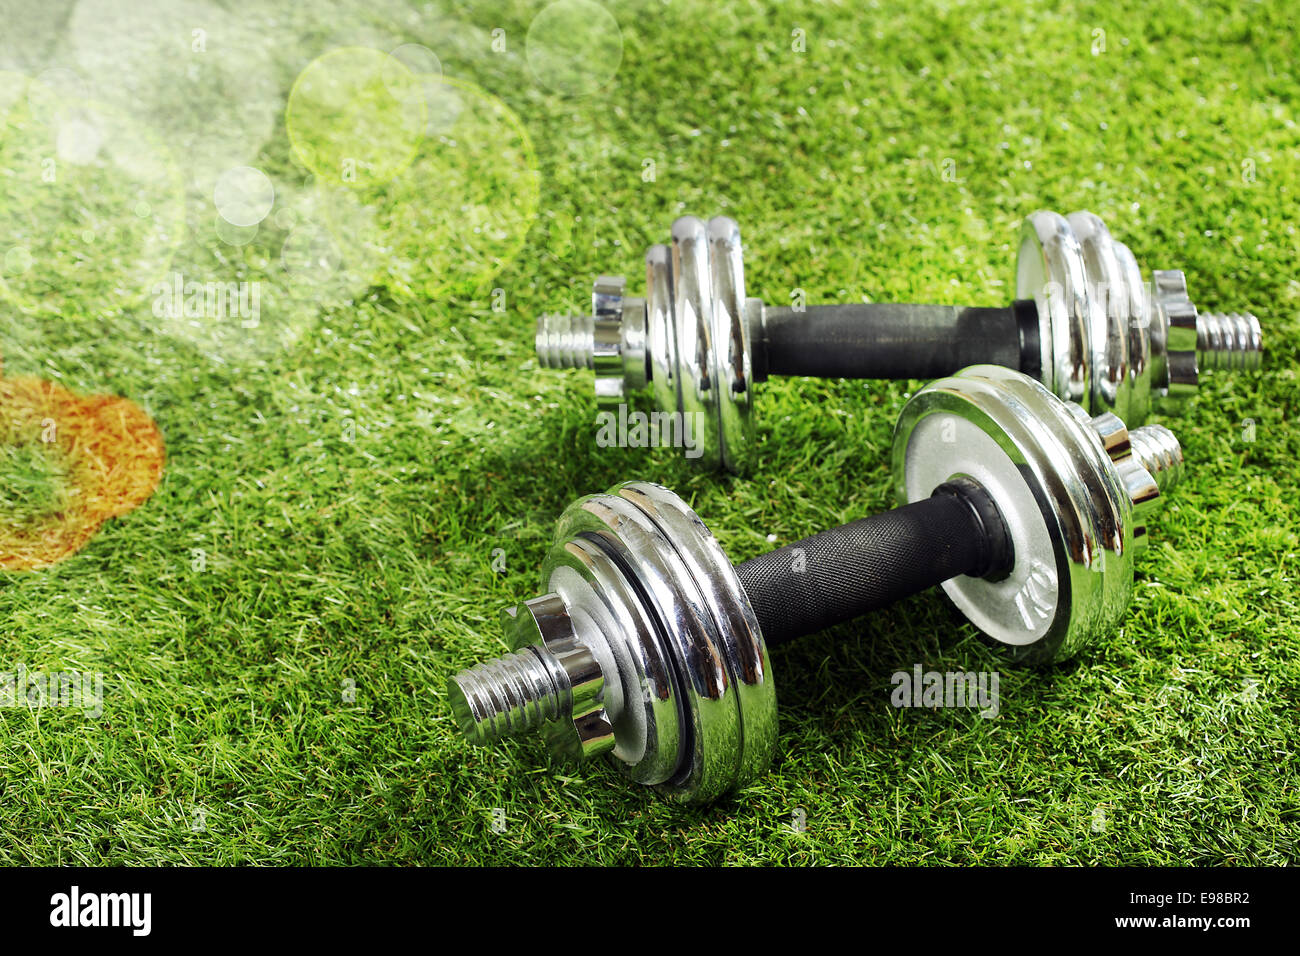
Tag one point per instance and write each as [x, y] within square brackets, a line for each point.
[650, 646]
[612, 341]
[1085, 323]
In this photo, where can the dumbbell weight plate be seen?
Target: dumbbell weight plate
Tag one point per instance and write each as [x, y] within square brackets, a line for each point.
[687, 634]
[749, 668]
[697, 363]
[661, 329]
[1069, 516]
[647, 726]
[735, 393]
[1108, 303]
[1050, 270]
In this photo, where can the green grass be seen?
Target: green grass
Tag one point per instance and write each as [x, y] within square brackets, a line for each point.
[33, 483]
[277, 624]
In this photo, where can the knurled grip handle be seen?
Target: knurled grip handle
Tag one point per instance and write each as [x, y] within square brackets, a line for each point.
[883, 340]
[845, 572]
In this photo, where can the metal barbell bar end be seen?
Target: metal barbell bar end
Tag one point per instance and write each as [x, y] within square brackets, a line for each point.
[554, 684]
[1186, 342]
[1228, 340]
[509, 695]
[612, 340]
[533, 690]
[1157, 450]
[565, 341]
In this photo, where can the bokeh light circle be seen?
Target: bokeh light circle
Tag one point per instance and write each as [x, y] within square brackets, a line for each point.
[234, 235]
[79, 174]
[200, 76]
[574, 47]
[460, 212]
[419, 59]
[356, 117]
[78, 140]
[17, 260]
[442, 106]
[243, 196]
[279, 276]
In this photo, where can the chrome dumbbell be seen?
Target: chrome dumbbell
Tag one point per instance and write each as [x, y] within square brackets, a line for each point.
[648, 644]
[1085, 323]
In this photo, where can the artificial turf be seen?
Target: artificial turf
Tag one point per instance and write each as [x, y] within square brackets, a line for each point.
[357, 485]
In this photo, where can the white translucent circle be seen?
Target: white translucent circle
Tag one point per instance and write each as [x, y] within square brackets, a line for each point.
[201, 76]
[243, 196]
[17, 260]
[574, 47]
[78, 214]
[235, 235]
[78, 141]
[420, 60]
[444, 104]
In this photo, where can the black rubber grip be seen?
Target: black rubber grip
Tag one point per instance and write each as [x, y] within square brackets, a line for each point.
[845, 572]
[882, 340]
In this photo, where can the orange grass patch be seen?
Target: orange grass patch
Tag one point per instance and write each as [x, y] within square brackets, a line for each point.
[112, 452]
